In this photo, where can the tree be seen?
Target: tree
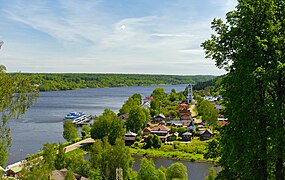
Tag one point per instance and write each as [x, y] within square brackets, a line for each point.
[137, 119]
[105, 159]
[69, 130]
[209, 113]
[158, 94]
[35, 169]
[155, 106]
[250, 46]
[153, 141]
[49, 155]
[17, 94]
[177, 171]
[109, 125]
[60, 160]
[213, 149]
[132, 102]
[85, 130]
[147, 170]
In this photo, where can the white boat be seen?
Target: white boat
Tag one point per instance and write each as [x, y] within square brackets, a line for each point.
[74, 115]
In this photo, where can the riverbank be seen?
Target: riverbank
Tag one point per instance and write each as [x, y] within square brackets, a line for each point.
[193, 151]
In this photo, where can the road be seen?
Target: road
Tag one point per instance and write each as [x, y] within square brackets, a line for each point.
[193, 113]
[79, 144]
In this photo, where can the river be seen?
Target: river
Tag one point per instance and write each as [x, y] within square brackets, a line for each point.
[43, 123]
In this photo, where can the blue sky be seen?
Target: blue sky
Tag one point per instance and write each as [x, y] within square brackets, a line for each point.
[109, 36]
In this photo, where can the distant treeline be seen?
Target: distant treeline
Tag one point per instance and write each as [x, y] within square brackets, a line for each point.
[213, 83]
[70, 81]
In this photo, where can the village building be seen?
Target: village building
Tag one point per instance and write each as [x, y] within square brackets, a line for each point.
[161, 131]
[130, 138]
[187, 136]
[158, 119]
[207, 134]
[146, 131]
[60, 175]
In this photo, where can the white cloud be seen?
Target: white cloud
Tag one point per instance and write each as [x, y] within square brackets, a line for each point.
[87, 38]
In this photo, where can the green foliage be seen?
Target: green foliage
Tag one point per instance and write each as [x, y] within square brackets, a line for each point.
[69, 130]
[68, 81]
[49, 155]
[85, 131]
[129, 104]
[213, 149]
[155, 106]
[106, 158]
[60, 160]
[137, 119]
[249, 45]
[182, 130]
[107, 125]
[188, 151]
[208, 112]
[158, 94]
[153, 141]
[35, 169]
[69, 175]
[17, 94]
[177, 171]
[147, 170]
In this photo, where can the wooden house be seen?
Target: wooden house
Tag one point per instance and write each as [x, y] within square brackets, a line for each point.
[206, 135]
[161, 131]
[187, 136]
[159, 118]
[130, 138]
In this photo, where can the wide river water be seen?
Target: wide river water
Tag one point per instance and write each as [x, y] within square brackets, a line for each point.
[43, 122]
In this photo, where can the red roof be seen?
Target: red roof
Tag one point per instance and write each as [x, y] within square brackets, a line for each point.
[160, 127]
[149, 98]
[223, 123]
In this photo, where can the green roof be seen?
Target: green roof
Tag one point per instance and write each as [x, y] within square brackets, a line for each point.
[16, 169]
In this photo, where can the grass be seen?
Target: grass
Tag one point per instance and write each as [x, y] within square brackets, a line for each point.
[193, 151]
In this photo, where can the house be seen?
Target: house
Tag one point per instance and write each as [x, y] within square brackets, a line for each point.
[206, 135]
[186, 122]
[14, 171]
[159, 118]
[130, 138]
[147, 99]
[174, 123]
[146, 131]
[124, 116]
[60, 175]
[185, 117]
[161, 131]
[173, 136]
[187, 136]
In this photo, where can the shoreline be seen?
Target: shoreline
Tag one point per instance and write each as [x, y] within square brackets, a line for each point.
[174, 158]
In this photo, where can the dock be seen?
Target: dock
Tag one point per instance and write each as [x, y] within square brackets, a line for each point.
[88, 120]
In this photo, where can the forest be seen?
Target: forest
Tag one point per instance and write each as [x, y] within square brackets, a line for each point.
[71, 81]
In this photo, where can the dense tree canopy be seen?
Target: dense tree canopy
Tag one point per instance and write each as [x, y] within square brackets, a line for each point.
[107, 125]
[177, 171]
[69, 130]
[68, 81]
[137, 120]
[105, 159]
[250, 45]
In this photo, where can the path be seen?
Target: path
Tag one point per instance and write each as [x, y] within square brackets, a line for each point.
[68, 149]
[193, 113]
[79, 144]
